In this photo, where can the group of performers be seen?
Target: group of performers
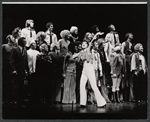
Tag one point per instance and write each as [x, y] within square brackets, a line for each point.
[96, 70]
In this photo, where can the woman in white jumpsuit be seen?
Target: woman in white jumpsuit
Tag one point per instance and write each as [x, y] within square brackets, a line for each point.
[88, 73]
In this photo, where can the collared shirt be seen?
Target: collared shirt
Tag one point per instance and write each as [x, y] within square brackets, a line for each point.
[32, 54]
[54, 38]
[26, 32]
[108, 51]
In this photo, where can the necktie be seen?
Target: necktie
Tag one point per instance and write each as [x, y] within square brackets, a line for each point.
[50, 38]
[30, 33]
[22, 51]
[127, 48]
[115, 41]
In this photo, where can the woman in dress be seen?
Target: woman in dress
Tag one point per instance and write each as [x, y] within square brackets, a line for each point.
[43, 72]
[69, 73]
[64, 42]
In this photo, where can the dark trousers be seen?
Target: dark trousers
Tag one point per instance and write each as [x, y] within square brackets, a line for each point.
[78, 77]
[106, 68]
[18, 88]
[46, 89]
[57, 89]
[7, 91]
[140, 87]
[7, 84]
[33, 88]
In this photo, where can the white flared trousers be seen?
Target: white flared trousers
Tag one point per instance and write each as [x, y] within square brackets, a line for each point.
[89, 74]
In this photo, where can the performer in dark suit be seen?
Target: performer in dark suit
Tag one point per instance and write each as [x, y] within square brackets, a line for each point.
[7, 69]
[20, 68]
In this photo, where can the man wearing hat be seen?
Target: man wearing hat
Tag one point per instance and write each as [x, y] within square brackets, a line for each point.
[28, 32]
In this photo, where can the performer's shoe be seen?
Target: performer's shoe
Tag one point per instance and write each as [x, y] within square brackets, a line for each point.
[82, 106]
[102, 106]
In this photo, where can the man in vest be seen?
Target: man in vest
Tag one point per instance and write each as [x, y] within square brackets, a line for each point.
[51, 37]
[126, 50]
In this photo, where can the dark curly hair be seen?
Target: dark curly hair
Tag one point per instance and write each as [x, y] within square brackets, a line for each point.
[71, 47]
[49, 24]
[21, 41]
[93, 29]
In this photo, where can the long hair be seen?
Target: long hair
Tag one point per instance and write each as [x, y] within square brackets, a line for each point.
[15, 32]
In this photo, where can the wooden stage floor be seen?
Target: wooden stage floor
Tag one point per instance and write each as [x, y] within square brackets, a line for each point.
[126, 110]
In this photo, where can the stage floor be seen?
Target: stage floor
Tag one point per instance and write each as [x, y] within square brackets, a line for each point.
[126, 110]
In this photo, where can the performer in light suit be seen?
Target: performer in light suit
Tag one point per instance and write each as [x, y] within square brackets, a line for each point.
[88, 73]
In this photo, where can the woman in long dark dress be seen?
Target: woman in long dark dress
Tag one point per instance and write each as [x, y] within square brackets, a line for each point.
[43, 72]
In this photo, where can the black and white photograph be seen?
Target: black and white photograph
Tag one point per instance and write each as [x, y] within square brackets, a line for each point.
[74, 60]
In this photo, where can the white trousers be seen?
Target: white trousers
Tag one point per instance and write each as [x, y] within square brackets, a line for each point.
[89, 74]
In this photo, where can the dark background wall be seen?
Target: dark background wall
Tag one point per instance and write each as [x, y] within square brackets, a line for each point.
[127, 18]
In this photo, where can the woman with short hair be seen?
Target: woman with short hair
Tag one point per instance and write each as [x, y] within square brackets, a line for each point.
[64, 42]
[139, 70]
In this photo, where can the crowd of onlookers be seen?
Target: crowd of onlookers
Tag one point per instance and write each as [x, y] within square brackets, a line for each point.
[47, 70]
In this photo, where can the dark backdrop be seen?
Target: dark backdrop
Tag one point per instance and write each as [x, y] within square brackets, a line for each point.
[127, 18]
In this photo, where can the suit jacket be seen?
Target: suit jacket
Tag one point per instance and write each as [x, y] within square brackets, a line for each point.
[8, 57]
[20, 61]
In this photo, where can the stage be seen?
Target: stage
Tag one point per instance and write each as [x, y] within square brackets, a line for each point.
[125, 110]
